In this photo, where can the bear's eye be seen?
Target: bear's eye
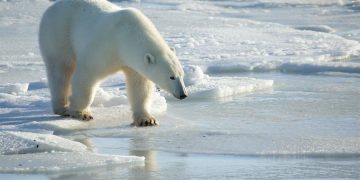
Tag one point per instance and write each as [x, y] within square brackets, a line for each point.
[172, 78]
[149, 59]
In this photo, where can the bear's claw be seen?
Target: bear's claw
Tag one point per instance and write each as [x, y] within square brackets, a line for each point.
[145, 122]
[85, 116]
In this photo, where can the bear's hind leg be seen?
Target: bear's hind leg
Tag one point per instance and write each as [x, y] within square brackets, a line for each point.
[140, 90]
[83, 91]
[59, 75]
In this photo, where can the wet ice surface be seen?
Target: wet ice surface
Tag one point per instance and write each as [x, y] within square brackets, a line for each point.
[274, 94]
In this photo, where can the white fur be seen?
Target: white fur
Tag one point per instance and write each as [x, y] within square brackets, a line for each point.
[84, 41]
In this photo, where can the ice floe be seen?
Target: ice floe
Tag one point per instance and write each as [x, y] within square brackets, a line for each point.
[29, 152]
[202, 86]
[62, 161]
[318, 28]
[17, 142]
[243, 45]
[218, 87]
[320, 67]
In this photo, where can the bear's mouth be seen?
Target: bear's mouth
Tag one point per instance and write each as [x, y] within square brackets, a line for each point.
[181, 95]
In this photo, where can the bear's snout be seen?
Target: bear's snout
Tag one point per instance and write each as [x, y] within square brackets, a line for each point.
[183, 96]
[181, 92]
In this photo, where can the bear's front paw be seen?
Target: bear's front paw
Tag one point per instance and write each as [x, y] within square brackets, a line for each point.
[145, 121]
[82, 115]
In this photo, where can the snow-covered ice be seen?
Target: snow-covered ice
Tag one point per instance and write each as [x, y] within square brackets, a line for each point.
[61, 161]
[14, 142]
[14, 88]
[37, 152]
[320, 67]
[273, 94]
[219, 87]
[202, 86]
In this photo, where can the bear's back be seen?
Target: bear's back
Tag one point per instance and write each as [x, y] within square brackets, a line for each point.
[87, 6]
[78, 11]
[75, 20]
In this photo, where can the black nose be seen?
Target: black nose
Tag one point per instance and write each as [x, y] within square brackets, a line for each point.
[183, 96]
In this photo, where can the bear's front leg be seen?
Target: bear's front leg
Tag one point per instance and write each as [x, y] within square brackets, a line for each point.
[140, 90]
[83, 91]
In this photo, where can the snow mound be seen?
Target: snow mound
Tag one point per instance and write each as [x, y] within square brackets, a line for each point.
[108, 99]
[193, 74]
[307, 68]
[317, 28]
[115, 97]
[200, 85]
[159, 105]
[218, 87]
[16, 142]
[286, 67]
[61, 161]
[304, 67]
[234, 67]
[15, 88]
[21, 100]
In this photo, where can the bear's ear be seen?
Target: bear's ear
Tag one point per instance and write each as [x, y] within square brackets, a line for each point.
[149, 59]
[173, 49]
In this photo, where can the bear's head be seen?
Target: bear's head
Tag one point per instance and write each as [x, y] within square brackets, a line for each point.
[142, 48]
[165, 70]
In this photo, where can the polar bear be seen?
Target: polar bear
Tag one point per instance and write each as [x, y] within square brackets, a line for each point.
[84, 41]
